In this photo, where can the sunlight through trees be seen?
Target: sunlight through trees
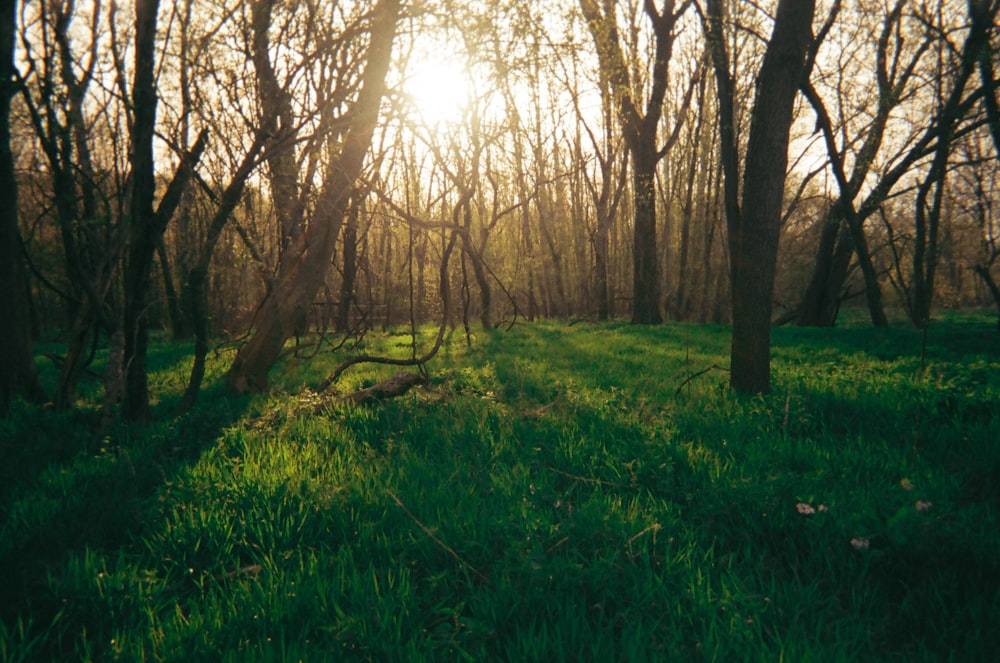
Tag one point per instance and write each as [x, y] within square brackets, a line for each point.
[256, 173]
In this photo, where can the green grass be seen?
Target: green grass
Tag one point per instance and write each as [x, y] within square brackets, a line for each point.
[559, 494]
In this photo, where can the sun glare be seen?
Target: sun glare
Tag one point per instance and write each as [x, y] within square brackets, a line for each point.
[439, 90]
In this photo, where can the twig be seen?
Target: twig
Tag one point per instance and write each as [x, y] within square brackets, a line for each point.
[655, 527]
[691, 377]
[586, 318]
[600, 482]
[434, 538]
[556, 545]
[539, 411]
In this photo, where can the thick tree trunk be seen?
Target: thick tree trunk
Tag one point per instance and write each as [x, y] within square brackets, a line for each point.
[18, 377]
[147, 230]
[821, 301]
[146, 225]
[313, 247]
[645, 266]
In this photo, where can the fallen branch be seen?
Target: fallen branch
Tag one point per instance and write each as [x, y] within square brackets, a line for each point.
[313, 403]
[412, 361]
[397, 385]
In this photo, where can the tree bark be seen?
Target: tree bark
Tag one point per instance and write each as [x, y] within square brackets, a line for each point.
[397, 385]
[18, 377]
[169, 289]
[312, 249]
[645, 265]
[843, 232]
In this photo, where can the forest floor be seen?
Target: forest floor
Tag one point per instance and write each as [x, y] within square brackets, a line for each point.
[556, 493]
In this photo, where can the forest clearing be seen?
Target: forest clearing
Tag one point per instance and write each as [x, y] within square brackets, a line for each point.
[555, 493]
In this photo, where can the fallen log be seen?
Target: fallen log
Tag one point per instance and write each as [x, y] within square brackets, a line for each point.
[311, 402]
[397, 385]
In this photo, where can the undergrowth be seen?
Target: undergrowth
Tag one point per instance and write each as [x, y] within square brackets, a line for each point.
[556, 494]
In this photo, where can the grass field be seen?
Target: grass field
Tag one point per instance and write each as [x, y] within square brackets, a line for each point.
[560, 493]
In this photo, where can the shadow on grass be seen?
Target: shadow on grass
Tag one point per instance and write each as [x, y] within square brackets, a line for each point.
[850, 408]
[70, 487]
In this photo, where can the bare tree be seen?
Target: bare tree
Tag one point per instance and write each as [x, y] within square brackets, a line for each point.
[641, 131]
[895, 62]
[146, 223]
[754, 222]
[54, 87]
[931, 190]
[18, 377]
[311, 250]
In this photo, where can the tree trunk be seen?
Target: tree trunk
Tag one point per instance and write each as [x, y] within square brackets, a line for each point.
[601, 255]
[645, 267]
[478, 271]
[343, 323]
[173, 301]
[18, 377]
[142, 238]
[821, 301]
[147, 230]
[681, 299]
[81, 331]
[755, 225]
[193, 296]
[312, 249]
[562, 305]
[983, 271]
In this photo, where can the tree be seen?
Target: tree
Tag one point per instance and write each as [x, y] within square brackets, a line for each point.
[843, 232]
[754, 223]
[55, 89]
[18, 377]
[641, 131]
[312, 248]
[931, 190]
[146, 223]
[985, 203]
